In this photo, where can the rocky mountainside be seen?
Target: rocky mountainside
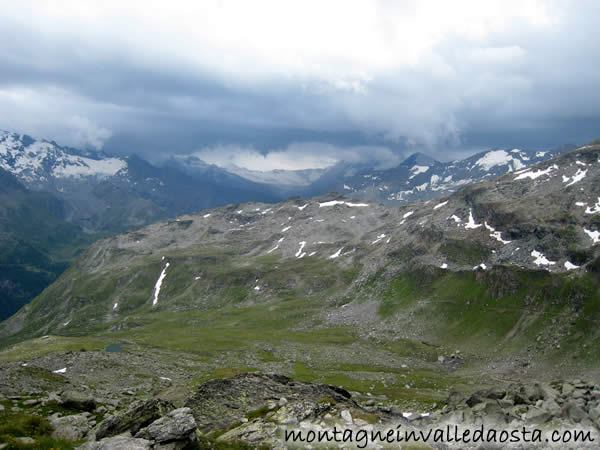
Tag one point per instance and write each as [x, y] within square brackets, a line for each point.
[108, 194]
[36, 242]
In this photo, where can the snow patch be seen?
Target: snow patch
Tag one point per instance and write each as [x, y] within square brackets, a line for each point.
[408, 214]
[340, 202]
[580, 175]
[416, 170]
[285, 229]
[471, 225]
[495, 158]
[302, 207]
[299, 252]
[440, 205]
[593, 209]
[455, 218]
[570, 266]
[379, 238]
[336, 254]
[495, 234]
[115, 306]
[594, 235]
[444, 266]
[540, 259]
[536, 174]
[158, 284]
[63, 370]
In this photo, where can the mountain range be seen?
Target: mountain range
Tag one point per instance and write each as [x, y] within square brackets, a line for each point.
[59, 199]
[537, 222]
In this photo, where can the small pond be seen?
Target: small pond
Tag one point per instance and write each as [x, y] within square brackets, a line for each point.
[114, 348]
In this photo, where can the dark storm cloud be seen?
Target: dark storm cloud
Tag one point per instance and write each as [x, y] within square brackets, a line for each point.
[159, 79]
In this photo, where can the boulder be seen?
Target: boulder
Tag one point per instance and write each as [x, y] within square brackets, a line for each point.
[177, 425]
[139, 415]
[77, 400]
[71, 428]
[219, 404]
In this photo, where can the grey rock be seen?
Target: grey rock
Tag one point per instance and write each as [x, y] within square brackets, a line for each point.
[138, 416]
[258, 430]
[77, 400]
[567, 389]
[219, 404]
[573, 412]
[118, 443]
[177, 425]
[595, 414]
[537, 416]
[72, 427]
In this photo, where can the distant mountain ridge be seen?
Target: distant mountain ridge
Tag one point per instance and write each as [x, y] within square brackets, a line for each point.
[418, 177]
[110, 194]
[421, 177]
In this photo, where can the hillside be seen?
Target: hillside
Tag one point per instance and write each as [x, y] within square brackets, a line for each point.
[36, 242]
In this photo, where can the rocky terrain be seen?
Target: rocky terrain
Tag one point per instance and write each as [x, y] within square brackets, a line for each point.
[256, 409]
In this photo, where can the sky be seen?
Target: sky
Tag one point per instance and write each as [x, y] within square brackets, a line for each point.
[276, 84]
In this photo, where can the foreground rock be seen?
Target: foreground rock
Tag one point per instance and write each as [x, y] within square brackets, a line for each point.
[568, 404]
[178, 425]
[219, 404]
[71, 428]
[138, 416]
[77, 400]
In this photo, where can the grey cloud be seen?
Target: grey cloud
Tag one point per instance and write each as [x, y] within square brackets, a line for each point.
[534, 87]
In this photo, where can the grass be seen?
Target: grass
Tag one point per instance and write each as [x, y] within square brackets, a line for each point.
[27, 425]
[282, 327]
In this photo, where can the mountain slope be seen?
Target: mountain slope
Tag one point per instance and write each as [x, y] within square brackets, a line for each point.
[519, 239]
[36, 242]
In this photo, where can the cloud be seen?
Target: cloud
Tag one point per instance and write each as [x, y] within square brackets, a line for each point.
[440, 76]
[296, 156]
[83, 132]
